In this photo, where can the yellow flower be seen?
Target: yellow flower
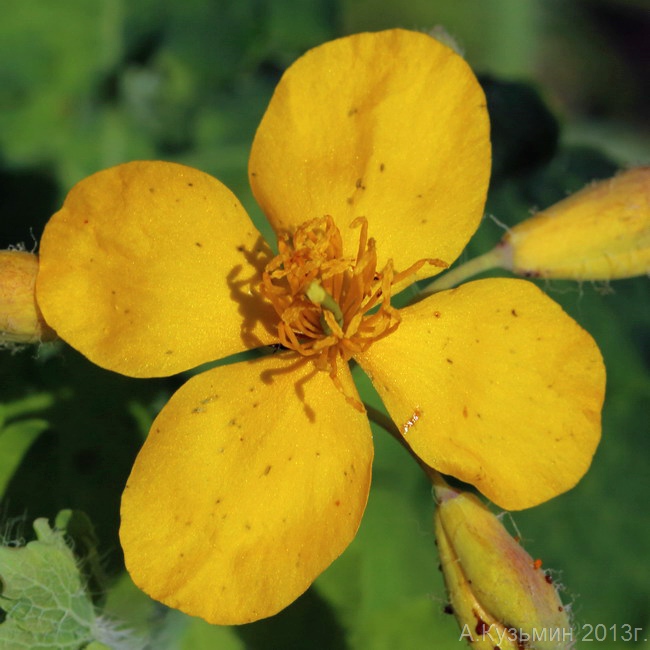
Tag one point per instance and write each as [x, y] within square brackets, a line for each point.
[371, 164]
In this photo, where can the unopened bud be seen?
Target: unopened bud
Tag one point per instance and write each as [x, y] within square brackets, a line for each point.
[21, 320]
[601, 232]
[500, 596]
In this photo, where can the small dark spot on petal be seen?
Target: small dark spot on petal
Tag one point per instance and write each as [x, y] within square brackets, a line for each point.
[267, 470]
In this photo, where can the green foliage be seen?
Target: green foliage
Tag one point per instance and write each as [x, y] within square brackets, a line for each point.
[87, 84]
[17, 437]
[44, 596]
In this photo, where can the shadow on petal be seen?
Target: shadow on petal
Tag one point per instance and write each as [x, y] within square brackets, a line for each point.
[259, 319]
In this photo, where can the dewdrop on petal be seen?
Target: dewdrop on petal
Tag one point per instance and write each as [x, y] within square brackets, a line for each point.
[601, 232]
[21, 321]
[499, 594]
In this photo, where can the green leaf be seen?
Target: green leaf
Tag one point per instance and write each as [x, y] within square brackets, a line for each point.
[17, 437]
[200, 635]
[43, 595]
[15, 440]
[81, 533]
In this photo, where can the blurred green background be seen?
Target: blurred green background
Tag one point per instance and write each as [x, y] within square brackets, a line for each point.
[86, 84]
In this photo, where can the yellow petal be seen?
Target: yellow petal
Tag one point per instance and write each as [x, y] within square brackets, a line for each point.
[599, 233]
[494, 384]
[147, 270]
[391, 126]
[252, 481]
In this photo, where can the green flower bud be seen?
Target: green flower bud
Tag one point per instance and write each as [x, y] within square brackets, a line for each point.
[500, 596]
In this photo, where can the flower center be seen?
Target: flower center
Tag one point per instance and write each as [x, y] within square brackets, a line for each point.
[326, 301]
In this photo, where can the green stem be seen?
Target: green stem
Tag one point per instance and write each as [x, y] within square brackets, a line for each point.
[381, 419]
[491, 260]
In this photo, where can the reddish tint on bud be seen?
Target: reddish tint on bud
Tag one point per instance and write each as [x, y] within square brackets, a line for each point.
[499, 593]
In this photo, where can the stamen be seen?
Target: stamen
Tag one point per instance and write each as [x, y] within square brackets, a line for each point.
[323, 298]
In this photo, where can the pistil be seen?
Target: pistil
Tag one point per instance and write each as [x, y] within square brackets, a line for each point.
[319, 296]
